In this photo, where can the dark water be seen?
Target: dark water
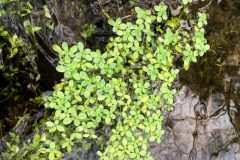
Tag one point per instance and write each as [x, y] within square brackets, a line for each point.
[206, 120]
[205, 123]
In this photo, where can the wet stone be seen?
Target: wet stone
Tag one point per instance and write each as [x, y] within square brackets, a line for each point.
[209, 138]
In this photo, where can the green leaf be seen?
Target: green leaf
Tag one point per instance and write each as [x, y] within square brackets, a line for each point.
[133, 155]
[101, 98]
[111, 149]
[76, 122]
[86, 135]
[71, 83]
[76, 136]
[132, 112]
[51, 156]
[147, 129]
[145, 98]
[108, 120]
[131, 39]
[65, 46]
[113, 138]
[124, 141]
[79, 129]
[80, 46]
[111, 22]
[65, 144]
[99, 153]
[129, 134]
[119, 32]
[88, 58]
[144, 147]
[61, 68]
[86, 93]
[67, 74]
[82, 116]
[50, 124]
[76, 76]
[123, 26]
[141, 126]
[73, 49]
[67, 121]
[143, 152]
[135, 55]
[152, 138]
[72, 111]
[90, 124]
[139, 21]
[60, 128]
[83, 75]
[60, 94]
[185, 2]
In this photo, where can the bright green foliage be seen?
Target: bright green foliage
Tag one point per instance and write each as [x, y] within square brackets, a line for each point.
[29, 29]
[124, 88]
[185, 2]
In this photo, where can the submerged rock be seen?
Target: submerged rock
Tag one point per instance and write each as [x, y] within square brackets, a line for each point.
[189, 137]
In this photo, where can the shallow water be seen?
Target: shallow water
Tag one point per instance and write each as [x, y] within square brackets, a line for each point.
[205, 122]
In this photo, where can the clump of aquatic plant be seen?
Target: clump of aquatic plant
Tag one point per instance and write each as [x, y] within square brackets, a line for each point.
[121, 91]
[21, 8]
[11, 59]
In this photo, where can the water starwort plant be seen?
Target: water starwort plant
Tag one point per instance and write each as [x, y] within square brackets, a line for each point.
[122, 90]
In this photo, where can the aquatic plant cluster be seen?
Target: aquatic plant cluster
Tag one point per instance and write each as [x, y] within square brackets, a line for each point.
[22, 8]
[15, 66]
[10, 61]
[115, 97]
[125, 87]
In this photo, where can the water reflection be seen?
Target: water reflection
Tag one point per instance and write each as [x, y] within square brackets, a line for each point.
[205, 123]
